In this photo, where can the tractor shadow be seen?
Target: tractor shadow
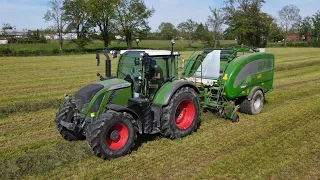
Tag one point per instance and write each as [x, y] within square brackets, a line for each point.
[144, 138]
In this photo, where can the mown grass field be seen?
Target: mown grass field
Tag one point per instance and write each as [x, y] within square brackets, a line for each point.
[283, 142]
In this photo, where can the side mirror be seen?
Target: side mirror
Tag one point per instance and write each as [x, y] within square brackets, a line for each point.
[114, 54]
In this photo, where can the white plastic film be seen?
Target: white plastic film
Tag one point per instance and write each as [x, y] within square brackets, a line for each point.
[210, 66]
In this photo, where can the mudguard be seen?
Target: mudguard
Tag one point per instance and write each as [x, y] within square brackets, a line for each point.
[122, 109]
[249, 97]
[164, 95]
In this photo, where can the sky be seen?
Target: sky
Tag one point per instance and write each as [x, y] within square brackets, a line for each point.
[28, 14]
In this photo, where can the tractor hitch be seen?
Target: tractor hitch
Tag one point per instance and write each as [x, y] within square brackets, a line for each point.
[69, 126]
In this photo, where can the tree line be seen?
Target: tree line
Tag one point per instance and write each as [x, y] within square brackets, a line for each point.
[242, 20]
[125, 18]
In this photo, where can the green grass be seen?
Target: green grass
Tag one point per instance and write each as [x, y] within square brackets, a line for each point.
[283, 142]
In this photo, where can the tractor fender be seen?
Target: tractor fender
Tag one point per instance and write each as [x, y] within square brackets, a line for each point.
[164, 95]
[256, 88]
[127, 110]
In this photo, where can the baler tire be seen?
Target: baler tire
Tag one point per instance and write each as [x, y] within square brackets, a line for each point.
[98, 135]
[66, 113]
[235, 118]
[169, 127]
[247, 106]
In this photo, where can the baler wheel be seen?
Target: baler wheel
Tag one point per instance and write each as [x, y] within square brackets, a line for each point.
[235, 118]
[111, 135]
[181, 116]
[253, 106]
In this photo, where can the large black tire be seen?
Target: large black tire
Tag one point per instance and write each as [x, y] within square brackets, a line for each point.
[176, 119]
[66, 113]
[253, 106]
[99, 135]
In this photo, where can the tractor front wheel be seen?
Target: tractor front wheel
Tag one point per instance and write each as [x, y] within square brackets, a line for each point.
[181, 116]
[111, 135]
[66, 114]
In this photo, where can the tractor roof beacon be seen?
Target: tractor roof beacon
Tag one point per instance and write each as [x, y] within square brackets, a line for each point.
[147, 97]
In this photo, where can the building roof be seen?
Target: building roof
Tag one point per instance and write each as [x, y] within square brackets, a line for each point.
[151, 52]
[10, 32]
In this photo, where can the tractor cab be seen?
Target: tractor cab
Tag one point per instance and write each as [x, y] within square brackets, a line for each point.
[147, 68]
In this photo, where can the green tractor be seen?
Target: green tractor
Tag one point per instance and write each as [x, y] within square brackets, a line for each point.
[146, 97]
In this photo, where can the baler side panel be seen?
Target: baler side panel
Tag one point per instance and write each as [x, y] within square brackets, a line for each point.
[246, 72]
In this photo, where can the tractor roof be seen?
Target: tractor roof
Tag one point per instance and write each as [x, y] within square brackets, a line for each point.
[152, 52]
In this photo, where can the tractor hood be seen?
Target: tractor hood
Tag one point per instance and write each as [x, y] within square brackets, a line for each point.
[96, 91]
[115, 83]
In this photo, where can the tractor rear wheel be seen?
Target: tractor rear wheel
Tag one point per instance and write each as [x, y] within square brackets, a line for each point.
[181, 116]
[253, 106]
[66, 114]
[111, 135]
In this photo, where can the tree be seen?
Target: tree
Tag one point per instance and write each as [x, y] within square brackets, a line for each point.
[5, 27]
[305, 26]
[102, 14]
[203, 34]
[288, 16]
[55, 13]
[167, 31]
[153, 36]
[131, 19]
[316, 25]
[275, 34]
[188, 29]
[247, 22]
[215, 21]
[76, 13]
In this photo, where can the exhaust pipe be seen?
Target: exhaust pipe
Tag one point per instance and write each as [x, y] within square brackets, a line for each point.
[108, 64]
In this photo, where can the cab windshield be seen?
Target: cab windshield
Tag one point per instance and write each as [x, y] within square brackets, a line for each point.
[131, 65]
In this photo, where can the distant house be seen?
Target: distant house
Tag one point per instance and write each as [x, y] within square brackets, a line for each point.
[293, 37]
[298, 37]
[308, 37]
[12, 33]
[66, 36]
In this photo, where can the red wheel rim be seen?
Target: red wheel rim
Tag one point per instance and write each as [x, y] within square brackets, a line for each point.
[184, 114]
[122, 138]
